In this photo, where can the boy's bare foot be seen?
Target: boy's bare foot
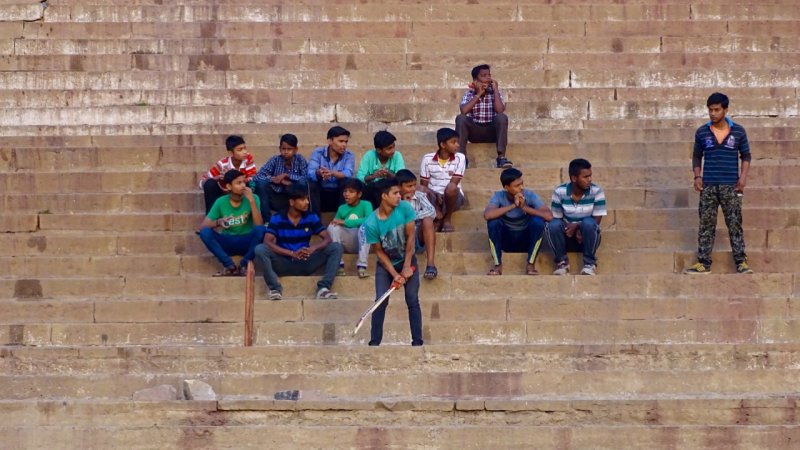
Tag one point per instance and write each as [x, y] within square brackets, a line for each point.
[531, 270]
[448, 227]
[496, 270]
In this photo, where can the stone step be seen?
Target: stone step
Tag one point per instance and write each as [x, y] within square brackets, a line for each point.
[198, 97]
[633, 177]
[46, 159]
[445, 287]
[580, 384]
[436, 358]
[548, 332]
[98, 244]
[587, 132]
[229, 309]
[366, 434]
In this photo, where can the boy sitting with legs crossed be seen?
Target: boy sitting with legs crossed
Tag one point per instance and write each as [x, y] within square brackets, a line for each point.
[425, 214]
[346, 229]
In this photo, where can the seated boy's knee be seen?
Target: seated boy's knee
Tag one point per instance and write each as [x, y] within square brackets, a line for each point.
[501, 118]
[555, 225]
[451, 190]
[207, 233]
[334, 248]
[262, 251]
[588, 223]
[495, 224]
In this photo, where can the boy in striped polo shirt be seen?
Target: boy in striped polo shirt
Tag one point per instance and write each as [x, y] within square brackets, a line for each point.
[287, 248]
[721, 143]
[578, 207]
[239, 158]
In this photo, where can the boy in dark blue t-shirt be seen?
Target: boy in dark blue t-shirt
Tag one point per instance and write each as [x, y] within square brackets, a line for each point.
[287, 248]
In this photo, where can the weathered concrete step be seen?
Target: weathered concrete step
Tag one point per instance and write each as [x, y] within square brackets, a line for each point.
[445, 287]
[537, 411]
[525, 112]
[547, 332]
[654, 178]
[365, 434]
[264, 134]
[138, 158]
[434, 358]
[344, 311]
[99, 244]
[451, 384]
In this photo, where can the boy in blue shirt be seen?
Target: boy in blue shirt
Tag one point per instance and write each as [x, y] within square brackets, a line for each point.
[516, 219]
[390, 231]
[328, 169]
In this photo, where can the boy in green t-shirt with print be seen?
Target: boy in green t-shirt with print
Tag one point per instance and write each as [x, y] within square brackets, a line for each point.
[346, 228]
[237, 215]
[382, 162]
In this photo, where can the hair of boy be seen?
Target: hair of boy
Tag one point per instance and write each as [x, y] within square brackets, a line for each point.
[576, 165]
[354, 184]
[509, 175]
[477, 70]
[404, 176]
[297, 190]
[337, 131]
[233, 141]
[718, 98]
[289, 139]
[443, 134]
[231, 175]
[384, 185]
[383, 139]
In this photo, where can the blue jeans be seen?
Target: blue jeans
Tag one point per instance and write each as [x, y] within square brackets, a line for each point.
[560, 243]
[273, 265]
[503, 239]
[383, 280]
[224, 245]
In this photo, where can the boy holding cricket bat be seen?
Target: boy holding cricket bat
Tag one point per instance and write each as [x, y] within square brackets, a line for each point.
[390, 230]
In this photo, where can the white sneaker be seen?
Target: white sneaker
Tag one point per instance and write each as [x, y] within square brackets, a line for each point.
[326, 294]
[588, 269]
[274, 295]
[562, 269]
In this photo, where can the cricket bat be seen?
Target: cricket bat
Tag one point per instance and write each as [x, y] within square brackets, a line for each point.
[249, 298]
[375, 305]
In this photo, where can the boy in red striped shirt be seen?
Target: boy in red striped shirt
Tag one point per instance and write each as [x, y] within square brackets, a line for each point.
[239, 158]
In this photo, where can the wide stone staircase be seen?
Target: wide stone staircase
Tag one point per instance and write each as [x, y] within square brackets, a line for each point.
[113, 109]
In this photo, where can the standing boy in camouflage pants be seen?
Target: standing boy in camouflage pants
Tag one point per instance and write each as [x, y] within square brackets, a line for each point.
[720, 142]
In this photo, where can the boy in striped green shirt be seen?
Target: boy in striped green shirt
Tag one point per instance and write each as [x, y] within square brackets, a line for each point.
[578, 207]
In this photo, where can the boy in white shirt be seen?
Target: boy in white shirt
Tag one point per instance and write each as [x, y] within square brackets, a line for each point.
[440, 176]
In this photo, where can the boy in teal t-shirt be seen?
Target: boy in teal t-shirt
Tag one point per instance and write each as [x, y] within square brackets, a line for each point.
[390, 230]
[346, 228]
[382, 162]
[238, 217]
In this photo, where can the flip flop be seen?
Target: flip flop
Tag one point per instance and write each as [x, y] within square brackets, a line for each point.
[494, 271]
[430, 272]
[228, 272]
[449, 228]
[531, 270]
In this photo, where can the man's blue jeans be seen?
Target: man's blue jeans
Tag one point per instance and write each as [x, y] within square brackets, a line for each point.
[223, 246]
[383, 280]
[560, 243]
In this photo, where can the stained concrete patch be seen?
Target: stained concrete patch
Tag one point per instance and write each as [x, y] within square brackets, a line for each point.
[28, 289]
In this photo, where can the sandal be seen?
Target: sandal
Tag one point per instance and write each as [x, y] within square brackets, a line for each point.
[531, 270]
[496, 270]
[430, 273]
[503, 163]
[232, 271]
[448, 228]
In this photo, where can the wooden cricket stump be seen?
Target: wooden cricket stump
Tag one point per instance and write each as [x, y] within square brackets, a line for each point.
[249, 299]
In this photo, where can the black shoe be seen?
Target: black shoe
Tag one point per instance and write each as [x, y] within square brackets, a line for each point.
[503, 163]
